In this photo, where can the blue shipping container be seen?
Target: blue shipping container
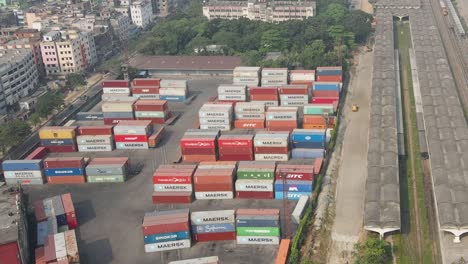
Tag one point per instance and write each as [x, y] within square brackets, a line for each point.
[213, 228]
[173, 98]
[295, 186]
[42, 232]
[327, 86]
[57, 142]
[309, 145]
[292, 195]
[63, 172]
[329, 72]
[308, 136]
[305, 153]
[256, 223]
[166, 237]
[21, 165]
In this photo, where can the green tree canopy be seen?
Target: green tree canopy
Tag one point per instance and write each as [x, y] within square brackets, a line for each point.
[373, 251]
[47, 103]
[13, 133]
[75, 79]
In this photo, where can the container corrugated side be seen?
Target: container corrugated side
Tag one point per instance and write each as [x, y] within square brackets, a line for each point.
[212, 217]
[165, 246]
[213, 195]
[257, 240]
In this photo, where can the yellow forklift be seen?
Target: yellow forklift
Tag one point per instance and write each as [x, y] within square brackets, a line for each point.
[354, 107]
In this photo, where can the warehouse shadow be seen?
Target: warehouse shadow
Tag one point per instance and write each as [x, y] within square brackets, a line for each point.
[99, 251]
[84, 211]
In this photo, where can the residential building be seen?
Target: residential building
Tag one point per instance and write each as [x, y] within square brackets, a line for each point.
[263, 10]
[14, 242]
[32, 43]
[18, 75]
[121, 26]
[124, 10]
[163, 8]
[141, 13]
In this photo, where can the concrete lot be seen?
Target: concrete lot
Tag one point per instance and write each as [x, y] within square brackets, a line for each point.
[110, 215]
[352, 172]
[463, 9]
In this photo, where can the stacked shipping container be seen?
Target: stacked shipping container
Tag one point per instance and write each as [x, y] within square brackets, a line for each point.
[258, 226]
[64, 170]
[107, 170]
[235, 147]
[249, 115]
[23, 171]
[213, 225]
[214, 180]
[298, 76]
[132, 134]
[38, 153]
[156, 111]
[295, 179]
[232, 93]
[116, 87]
[216, 116]
[58, 139]
[308, 143]
[199, 145]
[294, 95]
[166, 230]
[330, 74]
[267, 95]
[61, 248]
[173, 183]
[146, 89]
[271, 146]
[255, 179]
[281, 118]
[95, 138]
[274, 76]
[173, 90]
[246, 76]
[204, 260]
[116, 111]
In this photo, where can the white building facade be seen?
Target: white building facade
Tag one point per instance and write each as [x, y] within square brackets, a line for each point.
[141, 13]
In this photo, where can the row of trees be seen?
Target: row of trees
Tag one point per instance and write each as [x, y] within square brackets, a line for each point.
[320, 40]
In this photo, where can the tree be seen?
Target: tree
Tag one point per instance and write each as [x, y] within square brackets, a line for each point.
[35, 119]
[47, 103]
[357, 22]
[373, 251]
[312, 56]
[75, 79]
[273, 40]
[336, 12]
[251, 58]
[13, 133]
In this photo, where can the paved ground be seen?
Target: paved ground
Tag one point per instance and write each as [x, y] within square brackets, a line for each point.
[110, 215]
[463, 8]
[352, 172]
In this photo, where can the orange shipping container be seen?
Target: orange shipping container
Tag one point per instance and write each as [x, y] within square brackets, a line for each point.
[308, 83]
[198, 158]
[249, 123]
[283, 251]
[312, 126]
[65, 179]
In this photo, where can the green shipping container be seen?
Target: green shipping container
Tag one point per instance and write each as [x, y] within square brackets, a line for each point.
[254, 175]
[258, 231]
[318, 109]
[106, 178]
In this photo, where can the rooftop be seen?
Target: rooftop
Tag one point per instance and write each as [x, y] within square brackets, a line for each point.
[11, 56]
[144, 62]
[9, 214]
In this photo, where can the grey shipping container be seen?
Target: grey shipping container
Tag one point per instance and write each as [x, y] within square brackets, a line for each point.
[41, 233]
[177, 211]
[95, 148]
[135, 145]
[15, 181]
[108, 169]
[89, 116]
[118, 115]
[300, 209]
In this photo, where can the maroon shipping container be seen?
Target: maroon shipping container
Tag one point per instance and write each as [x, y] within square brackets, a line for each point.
[150, 105]
[294, 90]
[146, 82]
[236, 150]
[318, 165]
[39, 211]
[165, 226]
[329, 78]
[214, 236]
[308, 83]
[154, 121]
[145, 90]
[66, 179]
[264, 97]
[324, 100]
[170, 198]
[115, 84]
[257, 212]
[115, 121]
[39, 255]
[213, 180]
[69, 209]
[95, 130]
[172, 179]
[213, 187]
[255, 195]
[272, 150]
[49, 249]
[198, 151]
[71, 148]
[325, 93]
[294, 174]
[198, 158]
[38, 153]
[116, 160]
[235, 157]
[263, 90]
[57, 163]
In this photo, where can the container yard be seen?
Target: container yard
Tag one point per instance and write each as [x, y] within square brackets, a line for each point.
[212, 179]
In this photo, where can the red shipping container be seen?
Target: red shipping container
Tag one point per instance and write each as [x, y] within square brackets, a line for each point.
[131, 138]
[212, 180]
[95, 130]
[154, 121]
[166, 226]
[9, 253]
[163, 198]
[294, 90]
[198, 158]
[115, 121]
[235, 151]
[249, 123]
[294, 174]
[150, 105]
[197, 143]
[314, 120]
[214, 236]
[69, 209]
[70, 148]
[136, 90]
[39, 211]
[58, 163]
[66, 179]
[202, 151]
[234, 157]
[325, 93]
[233, 142]
[272, 150]
[324, 100]
[116, 160]
[329, 78]
[38, 153]
[318, 165]
[264, 97]
[215, 187]
[263, 90]
[308, 83]
[172, 179]
[39, 255]
[255, 195]
[115, 83]
[146, 82]
[49, 249]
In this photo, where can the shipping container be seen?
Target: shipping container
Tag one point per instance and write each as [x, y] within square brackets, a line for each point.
[214, 228]
[95, 140]
[64, 162]
[64, 172]
[116, 90]
[272, 157]
[254, 221]
[173, 98]
[66, 179]
[38, 153]
[57, 142]
[165, 246]
[16, 181]
[318, 109]
[254, 195]
[115, 83]
[327, 86]
[95, 130]
[283, 252]
[150, 105]
[51, 132]
[69, 209]
[302, 75]
[218, 236]
[166, 237]
[172, 197]
[71, 246]
[142, 91]
[299, 209]
[95, 148]
[213, 195]
[254, 185]
[23, 174]
[257, 240]
[173, 187]
[22, 165]
[166, 83]
[258, 231]
[294, 186]
[146, 82]
[105, 178]
[169, 225]
[212, 217]
[249, 123]
[306, 153]
[292, 195]
[204, 260]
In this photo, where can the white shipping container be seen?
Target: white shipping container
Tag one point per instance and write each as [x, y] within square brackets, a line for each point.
[13, 181]
[232, 97]
[241, 80]
[247, 115]
[171, 245]
[294, 103]
[300, 209]
[214, 121]
[22, 174]
[95, 140]
[254, 106]
[131, 145]
[48, 207]
[205, 260]
[94, 148]
[214, 113]
[127, 130]
[258, 240]
[246, 71]
[213, 195]
[295, 76]
[274, 81]
[272, 157]
[117, 107]
[117, 98]
[281, 115]
[274, 72]
[294, 97]
[172, 187]
[212, 217]
[279, 141]
[60, 246]
[147, 96]
[120, 90]
[232, 89]
[151, 114]
[173, 91]
[220, 127]
[255, 185]
[267, 103]
[174, 84]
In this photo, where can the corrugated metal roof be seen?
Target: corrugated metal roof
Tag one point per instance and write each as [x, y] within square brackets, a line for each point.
[145, 62]
[9, 215]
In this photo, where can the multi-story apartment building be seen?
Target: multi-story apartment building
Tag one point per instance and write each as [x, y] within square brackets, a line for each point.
[68, 52]
[32, 43]
[141, 13]
[263, 10]
[121, 26]
[163, 8]
[18, 76]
